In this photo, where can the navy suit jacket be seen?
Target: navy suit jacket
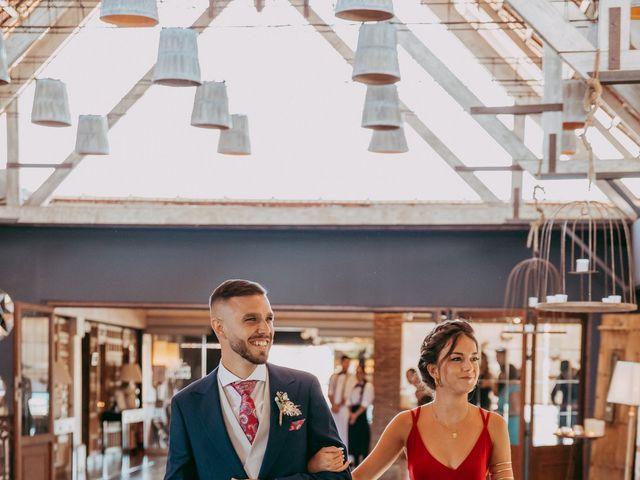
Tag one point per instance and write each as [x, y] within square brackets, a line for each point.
[200, 448]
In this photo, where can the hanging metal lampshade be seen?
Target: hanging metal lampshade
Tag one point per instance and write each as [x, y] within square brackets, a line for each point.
[177, 64]
[211, 106]
[51, 104]
[568, 143]
[590, 245]
[381, 108]
[635, 9]
[4, 64]
[376, 58]
[92, 137]
[130, 13]
[523, 283]
[236, 141]
[364, 10]
[573, 112]
[388, 141]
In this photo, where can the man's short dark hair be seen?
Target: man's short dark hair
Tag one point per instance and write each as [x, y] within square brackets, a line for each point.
[345, 357]
[235, 288]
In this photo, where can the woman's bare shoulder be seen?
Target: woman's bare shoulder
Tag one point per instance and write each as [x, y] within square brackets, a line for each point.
[401, 423]
[497, 424]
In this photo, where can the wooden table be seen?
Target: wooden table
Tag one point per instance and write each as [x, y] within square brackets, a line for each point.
[577, 438]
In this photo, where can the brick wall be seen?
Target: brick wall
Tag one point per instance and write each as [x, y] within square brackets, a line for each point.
[387, 337]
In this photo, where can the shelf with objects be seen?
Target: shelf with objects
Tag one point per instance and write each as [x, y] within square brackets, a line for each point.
[112, 380]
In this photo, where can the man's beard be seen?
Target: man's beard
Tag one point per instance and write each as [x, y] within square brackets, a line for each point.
[242, 348]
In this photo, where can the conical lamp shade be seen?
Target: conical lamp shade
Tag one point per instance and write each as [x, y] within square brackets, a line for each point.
[51, 104]
[568, 142]
[635, 9]
[236, 141]
[376, 57]
[573, 113]
[364, 10]
[388, 141]
[382, 108]
[211, 106]
[178, 64]
[129, 13]
[92, 137]
[130, 372]
[61, 373]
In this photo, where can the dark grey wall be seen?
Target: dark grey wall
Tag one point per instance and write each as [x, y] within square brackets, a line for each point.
[320, 267]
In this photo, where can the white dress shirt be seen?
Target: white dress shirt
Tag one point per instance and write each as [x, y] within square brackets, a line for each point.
[340, 385]
[362, 396]
[250, 454]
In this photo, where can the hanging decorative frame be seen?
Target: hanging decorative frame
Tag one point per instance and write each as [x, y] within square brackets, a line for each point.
[523, 282]
[593, 245]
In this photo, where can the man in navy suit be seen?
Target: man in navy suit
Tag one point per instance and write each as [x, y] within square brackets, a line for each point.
[249, 419]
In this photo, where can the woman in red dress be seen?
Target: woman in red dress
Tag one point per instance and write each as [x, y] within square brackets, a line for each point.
[449, 438]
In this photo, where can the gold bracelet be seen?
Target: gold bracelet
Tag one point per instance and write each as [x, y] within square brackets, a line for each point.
[508, 469]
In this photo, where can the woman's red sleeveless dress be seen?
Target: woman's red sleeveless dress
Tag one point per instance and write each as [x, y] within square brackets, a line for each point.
[424, 466]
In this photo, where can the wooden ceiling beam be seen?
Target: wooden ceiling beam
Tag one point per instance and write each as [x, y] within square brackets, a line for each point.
[579, 53]
[460, 92]
[267, 214]
[474, 41]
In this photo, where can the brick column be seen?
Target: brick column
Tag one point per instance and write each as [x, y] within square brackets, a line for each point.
[387, 338]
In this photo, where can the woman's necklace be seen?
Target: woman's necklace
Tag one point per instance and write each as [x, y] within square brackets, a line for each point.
[453, 432]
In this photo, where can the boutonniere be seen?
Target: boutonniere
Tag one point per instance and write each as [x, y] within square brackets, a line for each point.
[286, 406]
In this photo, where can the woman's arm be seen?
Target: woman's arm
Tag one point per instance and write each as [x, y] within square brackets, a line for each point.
[386, 450]
[500, 466]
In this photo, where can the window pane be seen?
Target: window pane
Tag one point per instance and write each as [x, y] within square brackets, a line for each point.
[557, 389]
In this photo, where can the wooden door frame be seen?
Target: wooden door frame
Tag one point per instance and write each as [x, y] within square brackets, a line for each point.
[584, 367]
[19, 440]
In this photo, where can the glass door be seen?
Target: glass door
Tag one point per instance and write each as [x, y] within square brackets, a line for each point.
[555, 398]
[33, 400]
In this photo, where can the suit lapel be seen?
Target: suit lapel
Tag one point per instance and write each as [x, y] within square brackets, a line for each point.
[209, 411]
[279, 381]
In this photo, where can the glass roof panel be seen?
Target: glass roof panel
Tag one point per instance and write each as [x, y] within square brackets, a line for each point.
[304, 114]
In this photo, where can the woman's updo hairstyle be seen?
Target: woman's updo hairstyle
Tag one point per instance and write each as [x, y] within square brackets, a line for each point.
[436, 340]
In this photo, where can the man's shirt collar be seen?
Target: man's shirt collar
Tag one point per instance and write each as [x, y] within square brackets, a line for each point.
[225, 377]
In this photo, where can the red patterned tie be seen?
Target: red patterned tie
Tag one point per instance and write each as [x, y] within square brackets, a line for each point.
[247, 417]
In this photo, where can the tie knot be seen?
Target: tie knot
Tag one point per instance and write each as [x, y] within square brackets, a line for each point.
[244, 387]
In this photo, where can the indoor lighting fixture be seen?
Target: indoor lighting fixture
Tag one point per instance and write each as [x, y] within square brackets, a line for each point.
[625, 390]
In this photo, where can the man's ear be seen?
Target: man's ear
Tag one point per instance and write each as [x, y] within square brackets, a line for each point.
[218, 327]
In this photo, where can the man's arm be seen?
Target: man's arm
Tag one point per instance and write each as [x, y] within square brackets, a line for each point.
[180, 464]
[321, 432]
